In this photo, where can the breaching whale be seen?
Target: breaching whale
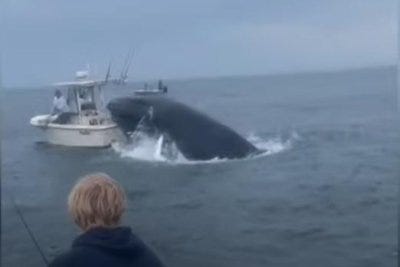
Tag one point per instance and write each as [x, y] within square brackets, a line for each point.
[196, 135]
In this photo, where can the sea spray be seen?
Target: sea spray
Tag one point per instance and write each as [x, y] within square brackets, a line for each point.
[146, 147]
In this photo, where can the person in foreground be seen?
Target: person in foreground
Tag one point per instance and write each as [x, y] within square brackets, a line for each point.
[96, 204]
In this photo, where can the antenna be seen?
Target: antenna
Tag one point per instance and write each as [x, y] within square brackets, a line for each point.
[129, 64]
[125, 69]
[124, 66]
[108, 74]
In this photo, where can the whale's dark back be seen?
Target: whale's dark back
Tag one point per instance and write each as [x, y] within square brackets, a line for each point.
[196, 135]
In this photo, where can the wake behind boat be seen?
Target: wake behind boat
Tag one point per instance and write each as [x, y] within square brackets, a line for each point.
[86, 122]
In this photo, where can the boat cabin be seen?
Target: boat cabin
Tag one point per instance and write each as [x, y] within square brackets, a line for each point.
[87, 122]
[85, 102]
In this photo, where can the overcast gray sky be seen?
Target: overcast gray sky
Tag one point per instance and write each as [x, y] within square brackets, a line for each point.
[44, 41]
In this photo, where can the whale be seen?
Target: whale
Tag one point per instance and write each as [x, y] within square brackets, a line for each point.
[195, 134]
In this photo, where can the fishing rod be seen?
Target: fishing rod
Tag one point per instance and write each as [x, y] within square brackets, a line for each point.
[30, 233]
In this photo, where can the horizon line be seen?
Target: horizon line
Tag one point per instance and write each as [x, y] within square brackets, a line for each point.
[209, 77]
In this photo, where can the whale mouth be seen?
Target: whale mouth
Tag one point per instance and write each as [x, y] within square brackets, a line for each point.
[159, 147]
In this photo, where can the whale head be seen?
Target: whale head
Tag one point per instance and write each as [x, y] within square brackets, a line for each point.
[129, 111]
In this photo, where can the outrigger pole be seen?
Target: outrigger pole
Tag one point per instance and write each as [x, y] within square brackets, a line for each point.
[108, 74]
[128, 61]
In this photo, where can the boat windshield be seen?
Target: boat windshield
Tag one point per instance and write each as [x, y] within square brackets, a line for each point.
[84, 98]
[71, 101]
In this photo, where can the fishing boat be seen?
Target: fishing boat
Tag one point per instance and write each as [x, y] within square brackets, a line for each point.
[161, 89]
[141, 92]
[87, 122]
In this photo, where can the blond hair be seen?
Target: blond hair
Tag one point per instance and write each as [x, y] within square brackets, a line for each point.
[96, 200]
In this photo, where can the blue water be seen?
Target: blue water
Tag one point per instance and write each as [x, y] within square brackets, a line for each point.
[326, 197]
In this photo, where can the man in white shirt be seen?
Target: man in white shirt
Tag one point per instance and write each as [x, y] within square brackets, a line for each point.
[59, 103]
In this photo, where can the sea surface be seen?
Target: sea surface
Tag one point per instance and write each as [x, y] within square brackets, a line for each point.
[325, 194]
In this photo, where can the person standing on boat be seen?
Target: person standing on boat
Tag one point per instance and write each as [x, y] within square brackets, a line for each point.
[160, 85]
[59, 103]
[96, 204]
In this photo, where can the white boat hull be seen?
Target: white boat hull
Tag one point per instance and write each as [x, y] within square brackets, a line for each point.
[84, 122]
[85, 137]
[80, 135]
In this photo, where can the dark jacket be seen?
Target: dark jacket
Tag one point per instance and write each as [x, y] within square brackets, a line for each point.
[117, 247]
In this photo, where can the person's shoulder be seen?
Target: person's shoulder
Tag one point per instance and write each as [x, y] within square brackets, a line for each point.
[149, 258]
[63, 260]
[146, 257]
[70, 258]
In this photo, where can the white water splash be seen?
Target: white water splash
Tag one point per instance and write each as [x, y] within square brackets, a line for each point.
[273, 145]
[147, 148]
[158, 152]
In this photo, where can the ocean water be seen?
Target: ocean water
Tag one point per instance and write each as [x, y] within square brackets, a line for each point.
[325, 194]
